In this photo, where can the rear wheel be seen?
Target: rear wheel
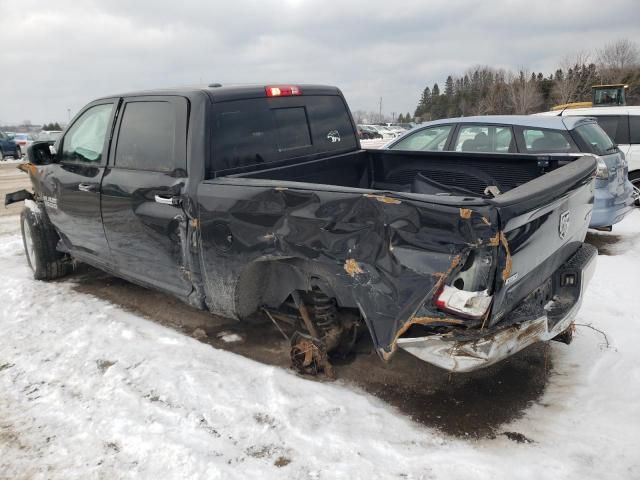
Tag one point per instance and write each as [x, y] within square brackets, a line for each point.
[634, 177]
[40, 240]
[18, 153]
[1, 154]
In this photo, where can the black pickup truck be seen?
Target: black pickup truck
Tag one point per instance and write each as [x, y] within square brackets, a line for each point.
[258, 200]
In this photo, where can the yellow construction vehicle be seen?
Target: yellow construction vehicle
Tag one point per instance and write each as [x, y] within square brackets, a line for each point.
[602, 96]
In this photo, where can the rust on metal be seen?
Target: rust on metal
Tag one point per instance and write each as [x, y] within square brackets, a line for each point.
[304, 313]
[506, 273]
[495, 240]
[501, 239]
[352, 268]
[383, 198]
[29, 168]
[465, 213]
[310, 358]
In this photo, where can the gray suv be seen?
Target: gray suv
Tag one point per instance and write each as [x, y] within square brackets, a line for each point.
[535, 135]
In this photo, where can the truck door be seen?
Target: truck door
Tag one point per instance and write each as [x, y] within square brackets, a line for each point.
[141, 191]
[71, 187]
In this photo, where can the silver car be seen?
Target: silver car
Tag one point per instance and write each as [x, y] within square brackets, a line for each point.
[535, 135]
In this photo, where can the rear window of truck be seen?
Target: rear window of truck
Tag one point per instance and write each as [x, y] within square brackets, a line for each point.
[263, 130]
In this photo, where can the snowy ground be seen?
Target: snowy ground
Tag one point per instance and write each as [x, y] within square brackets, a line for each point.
[377, 143]
[88, 390]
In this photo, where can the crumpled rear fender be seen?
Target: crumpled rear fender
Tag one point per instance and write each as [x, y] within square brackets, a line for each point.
[384, 254]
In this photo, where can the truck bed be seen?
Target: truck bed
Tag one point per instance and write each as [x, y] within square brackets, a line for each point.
[391, 170]
[383, 231]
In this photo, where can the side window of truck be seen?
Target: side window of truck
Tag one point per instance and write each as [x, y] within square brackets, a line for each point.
[147, 136]
[84, 142]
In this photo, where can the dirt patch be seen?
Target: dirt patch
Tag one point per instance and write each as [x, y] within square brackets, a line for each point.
[282, 462]
[471, 405]
[606, 243]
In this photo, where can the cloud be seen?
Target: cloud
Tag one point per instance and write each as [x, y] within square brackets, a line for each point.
[60, 55]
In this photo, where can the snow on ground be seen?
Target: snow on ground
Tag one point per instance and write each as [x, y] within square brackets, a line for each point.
[377, 143]
[88, 390]
[15, 160]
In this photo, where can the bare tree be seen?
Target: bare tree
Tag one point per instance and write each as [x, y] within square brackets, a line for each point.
[524, 96]
[569, 81]
[496, 100]
[620, 55]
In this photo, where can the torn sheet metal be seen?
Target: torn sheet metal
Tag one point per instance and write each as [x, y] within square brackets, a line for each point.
[460, 355]
[384, 257]
[15, 197]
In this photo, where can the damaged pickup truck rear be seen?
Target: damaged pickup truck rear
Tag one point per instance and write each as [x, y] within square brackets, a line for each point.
[258, 200]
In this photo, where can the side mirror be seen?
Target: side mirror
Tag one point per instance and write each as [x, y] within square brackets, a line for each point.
[42, 153]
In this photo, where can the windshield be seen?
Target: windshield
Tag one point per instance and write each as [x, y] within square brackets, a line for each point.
[595, 139]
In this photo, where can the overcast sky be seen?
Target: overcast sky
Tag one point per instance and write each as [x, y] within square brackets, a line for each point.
[59, 55]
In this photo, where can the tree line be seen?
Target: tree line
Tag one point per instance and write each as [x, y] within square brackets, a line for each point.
[484, 90]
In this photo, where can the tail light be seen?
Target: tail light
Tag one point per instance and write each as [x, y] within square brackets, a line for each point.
[602, 171]
[466, 304]
[467, 292]
[283, 91]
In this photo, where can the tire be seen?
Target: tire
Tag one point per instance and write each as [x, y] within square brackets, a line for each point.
[18, 153]
[40, 239]
[634, 178]
[1, 155]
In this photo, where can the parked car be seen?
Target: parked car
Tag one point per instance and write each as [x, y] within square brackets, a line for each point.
[48, 135]
[373, 132]
[245, 200]
[24, 141]
[365, 134]
[537, 135]
[8, 147]
[384, 131]
[622, 124]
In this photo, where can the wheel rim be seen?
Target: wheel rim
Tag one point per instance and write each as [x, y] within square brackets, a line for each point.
[29, 246]
[636, 187]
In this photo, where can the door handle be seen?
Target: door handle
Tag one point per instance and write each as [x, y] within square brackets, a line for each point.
[167, 200]
[87, 187]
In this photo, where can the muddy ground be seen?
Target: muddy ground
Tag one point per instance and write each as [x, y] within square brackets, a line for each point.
[473, 404]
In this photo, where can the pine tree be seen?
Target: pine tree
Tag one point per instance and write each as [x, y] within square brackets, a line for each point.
[424, 106]
[448, 86]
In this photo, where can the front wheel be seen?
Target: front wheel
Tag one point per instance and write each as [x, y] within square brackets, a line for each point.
[634, 178]
[40, 239]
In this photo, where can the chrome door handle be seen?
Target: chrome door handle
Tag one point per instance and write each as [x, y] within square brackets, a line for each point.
[86, 187]
[165, 200]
